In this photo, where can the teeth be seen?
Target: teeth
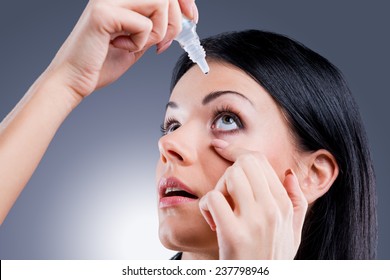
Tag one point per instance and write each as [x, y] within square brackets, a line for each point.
[173, 189]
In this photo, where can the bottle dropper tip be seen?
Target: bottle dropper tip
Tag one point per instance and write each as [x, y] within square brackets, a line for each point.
[203, 66]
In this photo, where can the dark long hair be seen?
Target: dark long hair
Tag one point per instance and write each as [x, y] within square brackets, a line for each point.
[322, 114]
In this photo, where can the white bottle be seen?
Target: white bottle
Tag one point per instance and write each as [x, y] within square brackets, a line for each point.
[189, 41]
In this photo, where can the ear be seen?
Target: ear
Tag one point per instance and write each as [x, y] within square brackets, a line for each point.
[322, 170]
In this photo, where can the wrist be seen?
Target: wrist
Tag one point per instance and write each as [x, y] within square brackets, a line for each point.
[55, 85]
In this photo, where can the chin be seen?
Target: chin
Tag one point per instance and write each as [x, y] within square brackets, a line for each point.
[187, 235]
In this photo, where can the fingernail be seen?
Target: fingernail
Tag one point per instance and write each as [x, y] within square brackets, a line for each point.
[290, 172]
[163, 47]
[218, 143]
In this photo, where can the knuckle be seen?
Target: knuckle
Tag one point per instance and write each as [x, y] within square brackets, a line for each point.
[258, 226]
[260, 157]
[241, 239]
[213, 196]
[98, 11]
[232, 171]
[256, 220]
[252, 158]
[232, 174]
[148, 25]
[158, 36]
[243, 158]
[229, 172]
[174, 29]
[271, 217]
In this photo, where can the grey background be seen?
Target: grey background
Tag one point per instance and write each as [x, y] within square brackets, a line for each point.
[93, 197]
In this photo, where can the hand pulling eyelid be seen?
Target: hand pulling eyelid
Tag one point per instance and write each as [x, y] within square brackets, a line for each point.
[189, 41]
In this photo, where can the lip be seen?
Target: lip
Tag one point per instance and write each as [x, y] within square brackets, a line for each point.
[169, 201]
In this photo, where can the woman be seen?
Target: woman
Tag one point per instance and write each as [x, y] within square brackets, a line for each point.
[284, 161]
[292, 107]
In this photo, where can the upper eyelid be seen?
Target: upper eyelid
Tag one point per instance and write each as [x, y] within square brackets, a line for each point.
[168, 122]
[234, 115]
[228, 109]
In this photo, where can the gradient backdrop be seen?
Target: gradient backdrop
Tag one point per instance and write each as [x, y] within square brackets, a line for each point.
[93, 195]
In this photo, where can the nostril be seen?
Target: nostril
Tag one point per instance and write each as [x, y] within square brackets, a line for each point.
[176, 155]
[163, 159]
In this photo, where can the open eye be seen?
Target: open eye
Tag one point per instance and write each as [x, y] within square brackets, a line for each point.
[226, 122]
[169, 126]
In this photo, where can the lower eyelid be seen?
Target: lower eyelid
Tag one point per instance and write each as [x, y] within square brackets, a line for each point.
[222, 133]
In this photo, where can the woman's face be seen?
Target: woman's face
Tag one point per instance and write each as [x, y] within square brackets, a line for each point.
[225, 104]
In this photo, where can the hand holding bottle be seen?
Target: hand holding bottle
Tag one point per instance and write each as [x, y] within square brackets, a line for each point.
[111, 36]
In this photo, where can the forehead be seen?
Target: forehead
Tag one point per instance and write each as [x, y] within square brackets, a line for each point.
[194, 85]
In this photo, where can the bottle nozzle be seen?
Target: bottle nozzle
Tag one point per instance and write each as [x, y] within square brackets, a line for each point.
[189, 41]
[203, 65]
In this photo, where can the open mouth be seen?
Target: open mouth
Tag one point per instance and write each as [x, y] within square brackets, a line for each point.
[173, 191]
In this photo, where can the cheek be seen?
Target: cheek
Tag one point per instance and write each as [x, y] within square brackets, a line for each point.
[212, 166]
[279, 160]
[280, 153]
[278, 149]
[159, 171]
[214, 170]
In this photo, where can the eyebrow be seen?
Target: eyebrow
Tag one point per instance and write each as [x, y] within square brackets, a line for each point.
[172, 105]
[215, 94]
[211, 97]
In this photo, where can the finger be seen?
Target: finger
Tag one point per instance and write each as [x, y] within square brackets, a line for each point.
[274, 183]
[227, 151]
[174, 26]
[250, 163]
[138, 26]
[189, 9]
[196, 13]
[216, 211]
[160, 23]
[259, 171]
[156, 11]
[235, 186]
[209, 219]
[298, 200]
[163, 46]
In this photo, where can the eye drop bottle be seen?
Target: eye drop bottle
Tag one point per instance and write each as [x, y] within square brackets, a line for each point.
[189, 41]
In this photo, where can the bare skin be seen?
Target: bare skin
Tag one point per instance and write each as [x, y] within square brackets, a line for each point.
[228, 144]
[97, 52]
[251, 202]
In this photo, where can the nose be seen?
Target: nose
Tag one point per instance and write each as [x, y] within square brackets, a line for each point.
[178, 147]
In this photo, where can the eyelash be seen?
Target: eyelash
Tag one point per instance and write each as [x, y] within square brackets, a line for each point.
[167, 125]
[170, 122]
[227, 110]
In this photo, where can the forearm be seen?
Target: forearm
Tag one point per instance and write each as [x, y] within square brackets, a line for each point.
[107, 40]
[26, 133]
